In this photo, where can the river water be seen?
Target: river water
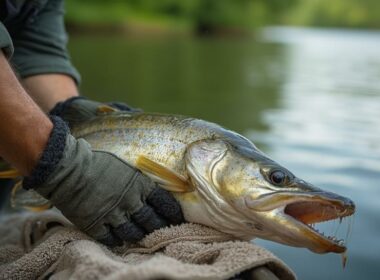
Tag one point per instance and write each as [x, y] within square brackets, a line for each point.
[310, 98]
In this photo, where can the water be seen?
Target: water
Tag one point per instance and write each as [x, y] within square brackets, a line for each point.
[309, 98]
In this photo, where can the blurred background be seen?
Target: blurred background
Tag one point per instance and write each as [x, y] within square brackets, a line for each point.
[299, 78]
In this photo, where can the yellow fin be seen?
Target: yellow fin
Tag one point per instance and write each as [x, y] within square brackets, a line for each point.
[103, 109]
[38, 208]
[28, 199]
[168, 179]
[9, 174]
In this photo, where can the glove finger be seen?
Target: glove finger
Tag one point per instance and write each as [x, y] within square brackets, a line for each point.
[102, 233]
[129, 232]
[111, 240]
[117, 217]
[148, 219]
[165, 205]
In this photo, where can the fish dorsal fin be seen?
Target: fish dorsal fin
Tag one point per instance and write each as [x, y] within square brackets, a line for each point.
[168, 179]
[10, 174]
[104, 109]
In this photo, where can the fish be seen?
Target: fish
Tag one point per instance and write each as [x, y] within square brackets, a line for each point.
[219, 177]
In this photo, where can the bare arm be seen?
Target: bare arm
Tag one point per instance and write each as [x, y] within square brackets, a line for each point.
[24, 128]
[49, 89]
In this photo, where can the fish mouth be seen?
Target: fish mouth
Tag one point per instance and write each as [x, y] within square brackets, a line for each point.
[296, 214]
[305, 214]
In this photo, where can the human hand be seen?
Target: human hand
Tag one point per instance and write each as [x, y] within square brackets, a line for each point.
[79, 109]
[98, 192]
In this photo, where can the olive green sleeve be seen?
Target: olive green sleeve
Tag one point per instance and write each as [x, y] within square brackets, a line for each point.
[5, 41]
[41, 43]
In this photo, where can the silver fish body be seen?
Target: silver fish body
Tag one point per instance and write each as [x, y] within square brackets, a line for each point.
[219, 177]
[230, 185]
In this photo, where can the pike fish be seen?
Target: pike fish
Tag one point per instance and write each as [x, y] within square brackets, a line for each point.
[220, 178]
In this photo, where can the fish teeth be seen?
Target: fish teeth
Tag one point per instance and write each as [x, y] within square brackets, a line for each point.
[336, 240]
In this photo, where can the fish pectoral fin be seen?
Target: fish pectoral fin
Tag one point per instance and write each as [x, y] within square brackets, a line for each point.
[104, 109]
[168, 179]
[10, 174]
[28, 199]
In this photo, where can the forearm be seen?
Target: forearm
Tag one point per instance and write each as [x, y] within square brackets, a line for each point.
[24, 128]
[49, 89]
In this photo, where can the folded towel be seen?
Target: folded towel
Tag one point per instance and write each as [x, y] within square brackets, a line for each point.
[46, 245]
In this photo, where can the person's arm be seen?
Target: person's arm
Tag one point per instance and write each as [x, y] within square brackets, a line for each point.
[97, 191]
[24, 128]
[49, 89]
[40, 56]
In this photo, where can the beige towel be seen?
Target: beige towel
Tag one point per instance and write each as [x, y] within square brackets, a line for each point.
[38, 246]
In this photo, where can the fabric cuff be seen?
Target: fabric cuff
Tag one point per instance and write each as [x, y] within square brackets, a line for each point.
[36, 64]
[6, 44]
[51, 156]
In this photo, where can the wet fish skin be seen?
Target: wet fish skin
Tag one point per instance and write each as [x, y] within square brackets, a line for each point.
[219, 177]
[228, 177]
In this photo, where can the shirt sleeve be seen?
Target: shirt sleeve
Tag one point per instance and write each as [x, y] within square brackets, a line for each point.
[40, 44]
[6, 44]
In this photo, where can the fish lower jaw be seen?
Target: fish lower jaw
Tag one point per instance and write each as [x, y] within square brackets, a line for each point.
[324, 243]
[334, 239]
[306, 225]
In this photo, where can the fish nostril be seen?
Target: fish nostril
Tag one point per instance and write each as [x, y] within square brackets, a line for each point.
[350, 205]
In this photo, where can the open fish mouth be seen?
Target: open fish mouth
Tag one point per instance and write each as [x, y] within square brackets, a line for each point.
[308, 213]
[297, 213]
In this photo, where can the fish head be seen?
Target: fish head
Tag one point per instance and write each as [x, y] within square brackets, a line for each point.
[276, 204]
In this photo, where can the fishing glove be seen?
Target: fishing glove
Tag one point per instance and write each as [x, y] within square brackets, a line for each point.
[79, 109]
[98, 192]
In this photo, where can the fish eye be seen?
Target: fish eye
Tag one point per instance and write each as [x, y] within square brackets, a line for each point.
[278, 177]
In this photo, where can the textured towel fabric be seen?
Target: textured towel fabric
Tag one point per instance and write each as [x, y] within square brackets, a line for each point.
[41, 246]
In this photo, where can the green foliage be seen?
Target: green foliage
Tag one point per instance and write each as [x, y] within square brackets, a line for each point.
[207, 15]
[336, 13]
[174, 8]
[94, 12]
[214, 15]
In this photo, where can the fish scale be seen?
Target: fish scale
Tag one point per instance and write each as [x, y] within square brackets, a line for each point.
[163, 138]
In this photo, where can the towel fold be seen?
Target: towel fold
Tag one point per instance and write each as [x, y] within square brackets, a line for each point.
[46, 245]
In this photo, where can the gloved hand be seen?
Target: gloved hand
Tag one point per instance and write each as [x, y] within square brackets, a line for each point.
[79, 109]
[99, 192]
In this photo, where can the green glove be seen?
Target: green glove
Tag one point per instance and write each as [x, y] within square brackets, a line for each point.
[78, 109]
[99, 192]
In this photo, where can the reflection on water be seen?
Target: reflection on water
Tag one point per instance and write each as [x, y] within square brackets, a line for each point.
[327, 130]
[309, 98]
[211, 79]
